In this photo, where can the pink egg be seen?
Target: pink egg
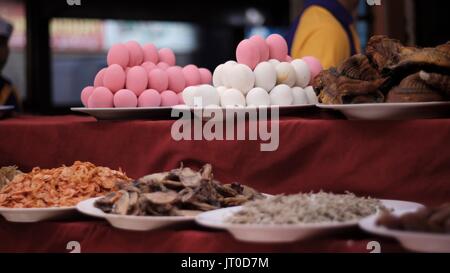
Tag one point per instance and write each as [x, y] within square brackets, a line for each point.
[125, 98]
[158, 79]
[176, 79]
[101, 97]
[262, 46]
[289, 59]
[137, 79]
[278, 48]
[163, 65]
[247, 52]
[136, 53]
[98, 81]
[85, 94]
[169, 98]
[192, 75]
[314, 65]
[166, 55]
[150, 53]
[149, 66]
[114, 78]
[149, 98]
[180, 98]
[205, 75]
[118, 54]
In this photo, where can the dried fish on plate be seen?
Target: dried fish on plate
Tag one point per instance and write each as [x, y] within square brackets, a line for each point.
[179, 192]
[305, 208]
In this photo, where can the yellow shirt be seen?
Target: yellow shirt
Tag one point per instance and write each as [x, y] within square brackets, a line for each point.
[320, 34]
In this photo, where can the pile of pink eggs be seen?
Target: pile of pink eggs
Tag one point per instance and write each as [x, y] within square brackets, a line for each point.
[262, 75]
[141, 76]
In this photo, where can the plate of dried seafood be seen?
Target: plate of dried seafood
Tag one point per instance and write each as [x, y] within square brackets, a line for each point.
[166, 199]
[391, 111]
[44, 194]
[422, 230]
[289, 218]
[389, 81]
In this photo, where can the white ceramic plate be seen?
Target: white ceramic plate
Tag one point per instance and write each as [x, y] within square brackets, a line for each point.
[5, 109]
[165, 112]
[30, 215]
[391, 111]
[131, 222]
[258, 233]
[415, 241]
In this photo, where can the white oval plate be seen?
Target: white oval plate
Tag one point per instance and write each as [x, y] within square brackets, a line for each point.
[165, 112]
[131, 222]
[257, 233]
[391, 111]
[411, 240]
[30, 215]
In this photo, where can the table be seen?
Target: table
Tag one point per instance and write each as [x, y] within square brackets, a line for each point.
[407, 160]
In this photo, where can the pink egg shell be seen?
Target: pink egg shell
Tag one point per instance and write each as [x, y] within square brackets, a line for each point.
[192, 75]
[98, 81]
[125, 98]
[85, 94]
[205, 75]
[247, 52]
[289, 59]
[163, 65]
[158, 80]
[278, 48]
[180, 98]
[118, 54]
[101, 97]
[114, 78]
[150, 53]
[314, 65]
[149, 66]
[166, 55]
[137, 79]
[262, 46]
[149, 98]
[169, 98]
[136, 53]
[176, 79]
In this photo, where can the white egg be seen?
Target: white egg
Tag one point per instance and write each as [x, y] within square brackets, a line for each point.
[221, 89]
[209, 95]
[258, 97]
[285, 74]
[217, 75]
[189, 94]
[274, 62]
[226, 72]
[302, 73]
[242, 78]
[265, 76]
[232, 97]
[281, 95]
[311, 95]
[300, 97]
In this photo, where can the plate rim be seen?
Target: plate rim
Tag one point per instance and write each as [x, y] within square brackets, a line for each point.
[382, 105]
[105, 216]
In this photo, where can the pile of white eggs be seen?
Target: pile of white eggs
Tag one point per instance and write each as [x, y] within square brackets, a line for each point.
[271, 83]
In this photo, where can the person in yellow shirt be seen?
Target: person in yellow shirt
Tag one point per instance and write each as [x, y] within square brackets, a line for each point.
[325, 29]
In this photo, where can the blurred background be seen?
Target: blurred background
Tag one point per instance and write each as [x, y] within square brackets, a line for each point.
[58, 46]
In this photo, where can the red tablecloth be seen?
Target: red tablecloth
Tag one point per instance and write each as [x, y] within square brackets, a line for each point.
[407, 160]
